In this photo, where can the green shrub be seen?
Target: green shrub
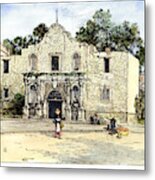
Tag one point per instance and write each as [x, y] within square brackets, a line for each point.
[140, 106]
[17, 104]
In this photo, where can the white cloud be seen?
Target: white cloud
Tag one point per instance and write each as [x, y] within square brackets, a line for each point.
[20, 19]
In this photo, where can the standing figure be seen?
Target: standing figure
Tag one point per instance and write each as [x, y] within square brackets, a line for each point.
[57, 121]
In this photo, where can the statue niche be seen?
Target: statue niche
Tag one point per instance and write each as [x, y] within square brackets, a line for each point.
[76, 61]
[33, 62]
[75, 104]
[32, 101]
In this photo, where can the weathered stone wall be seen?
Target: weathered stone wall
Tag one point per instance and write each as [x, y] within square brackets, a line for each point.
[57, 42]
[14, 79]
[115, 80]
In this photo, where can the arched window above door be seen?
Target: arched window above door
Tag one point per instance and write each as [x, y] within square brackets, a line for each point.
[54, 95]
[76, 61]
[33, 61]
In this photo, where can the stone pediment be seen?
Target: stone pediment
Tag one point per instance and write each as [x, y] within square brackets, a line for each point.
[62, 29]
[56, 30]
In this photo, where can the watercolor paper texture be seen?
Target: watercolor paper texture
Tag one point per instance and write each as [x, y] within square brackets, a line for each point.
[72, 85]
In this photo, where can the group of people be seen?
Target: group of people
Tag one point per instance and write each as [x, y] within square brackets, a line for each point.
[111, 125]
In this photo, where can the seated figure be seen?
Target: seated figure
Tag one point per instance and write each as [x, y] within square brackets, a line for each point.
[111, 127]
[94, 119]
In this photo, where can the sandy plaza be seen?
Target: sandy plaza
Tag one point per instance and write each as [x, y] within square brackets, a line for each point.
[80, 144]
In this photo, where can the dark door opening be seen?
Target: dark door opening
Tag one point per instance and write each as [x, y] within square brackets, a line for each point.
[55, 101]
[53, 105]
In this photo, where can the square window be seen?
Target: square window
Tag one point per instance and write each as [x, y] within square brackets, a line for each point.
[106, 65]
[6, 66]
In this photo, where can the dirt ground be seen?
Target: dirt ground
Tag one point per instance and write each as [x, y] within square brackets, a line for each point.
[74, 148]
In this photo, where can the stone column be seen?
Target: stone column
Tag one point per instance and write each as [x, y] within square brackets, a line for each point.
[63, 109]
[68, 113]
[45, 109]
[39, 110]
[81, 109]
[68, 108]
[26, 109]
[42, 97]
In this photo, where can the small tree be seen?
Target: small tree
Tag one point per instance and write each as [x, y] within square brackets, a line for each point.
[15, 46]
[140, 106]
[17, 104]
[102, 32]
[39, 32]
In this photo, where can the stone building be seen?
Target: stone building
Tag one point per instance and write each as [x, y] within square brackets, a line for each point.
[60, 72]
[4, 57]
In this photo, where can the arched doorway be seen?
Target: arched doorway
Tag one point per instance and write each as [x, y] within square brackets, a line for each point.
[55, 101]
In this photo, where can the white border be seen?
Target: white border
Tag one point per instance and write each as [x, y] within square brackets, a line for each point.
[71, 166]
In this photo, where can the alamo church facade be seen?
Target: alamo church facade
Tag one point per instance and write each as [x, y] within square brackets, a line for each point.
[60, 72]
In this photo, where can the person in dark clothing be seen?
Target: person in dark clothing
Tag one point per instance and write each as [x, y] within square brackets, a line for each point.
[112, 126]
[91, 120]
[113, 123]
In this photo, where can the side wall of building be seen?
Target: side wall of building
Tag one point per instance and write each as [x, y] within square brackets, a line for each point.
[13, 80]
[115, 80]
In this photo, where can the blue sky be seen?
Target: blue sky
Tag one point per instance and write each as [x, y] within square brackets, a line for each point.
[20, 19]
